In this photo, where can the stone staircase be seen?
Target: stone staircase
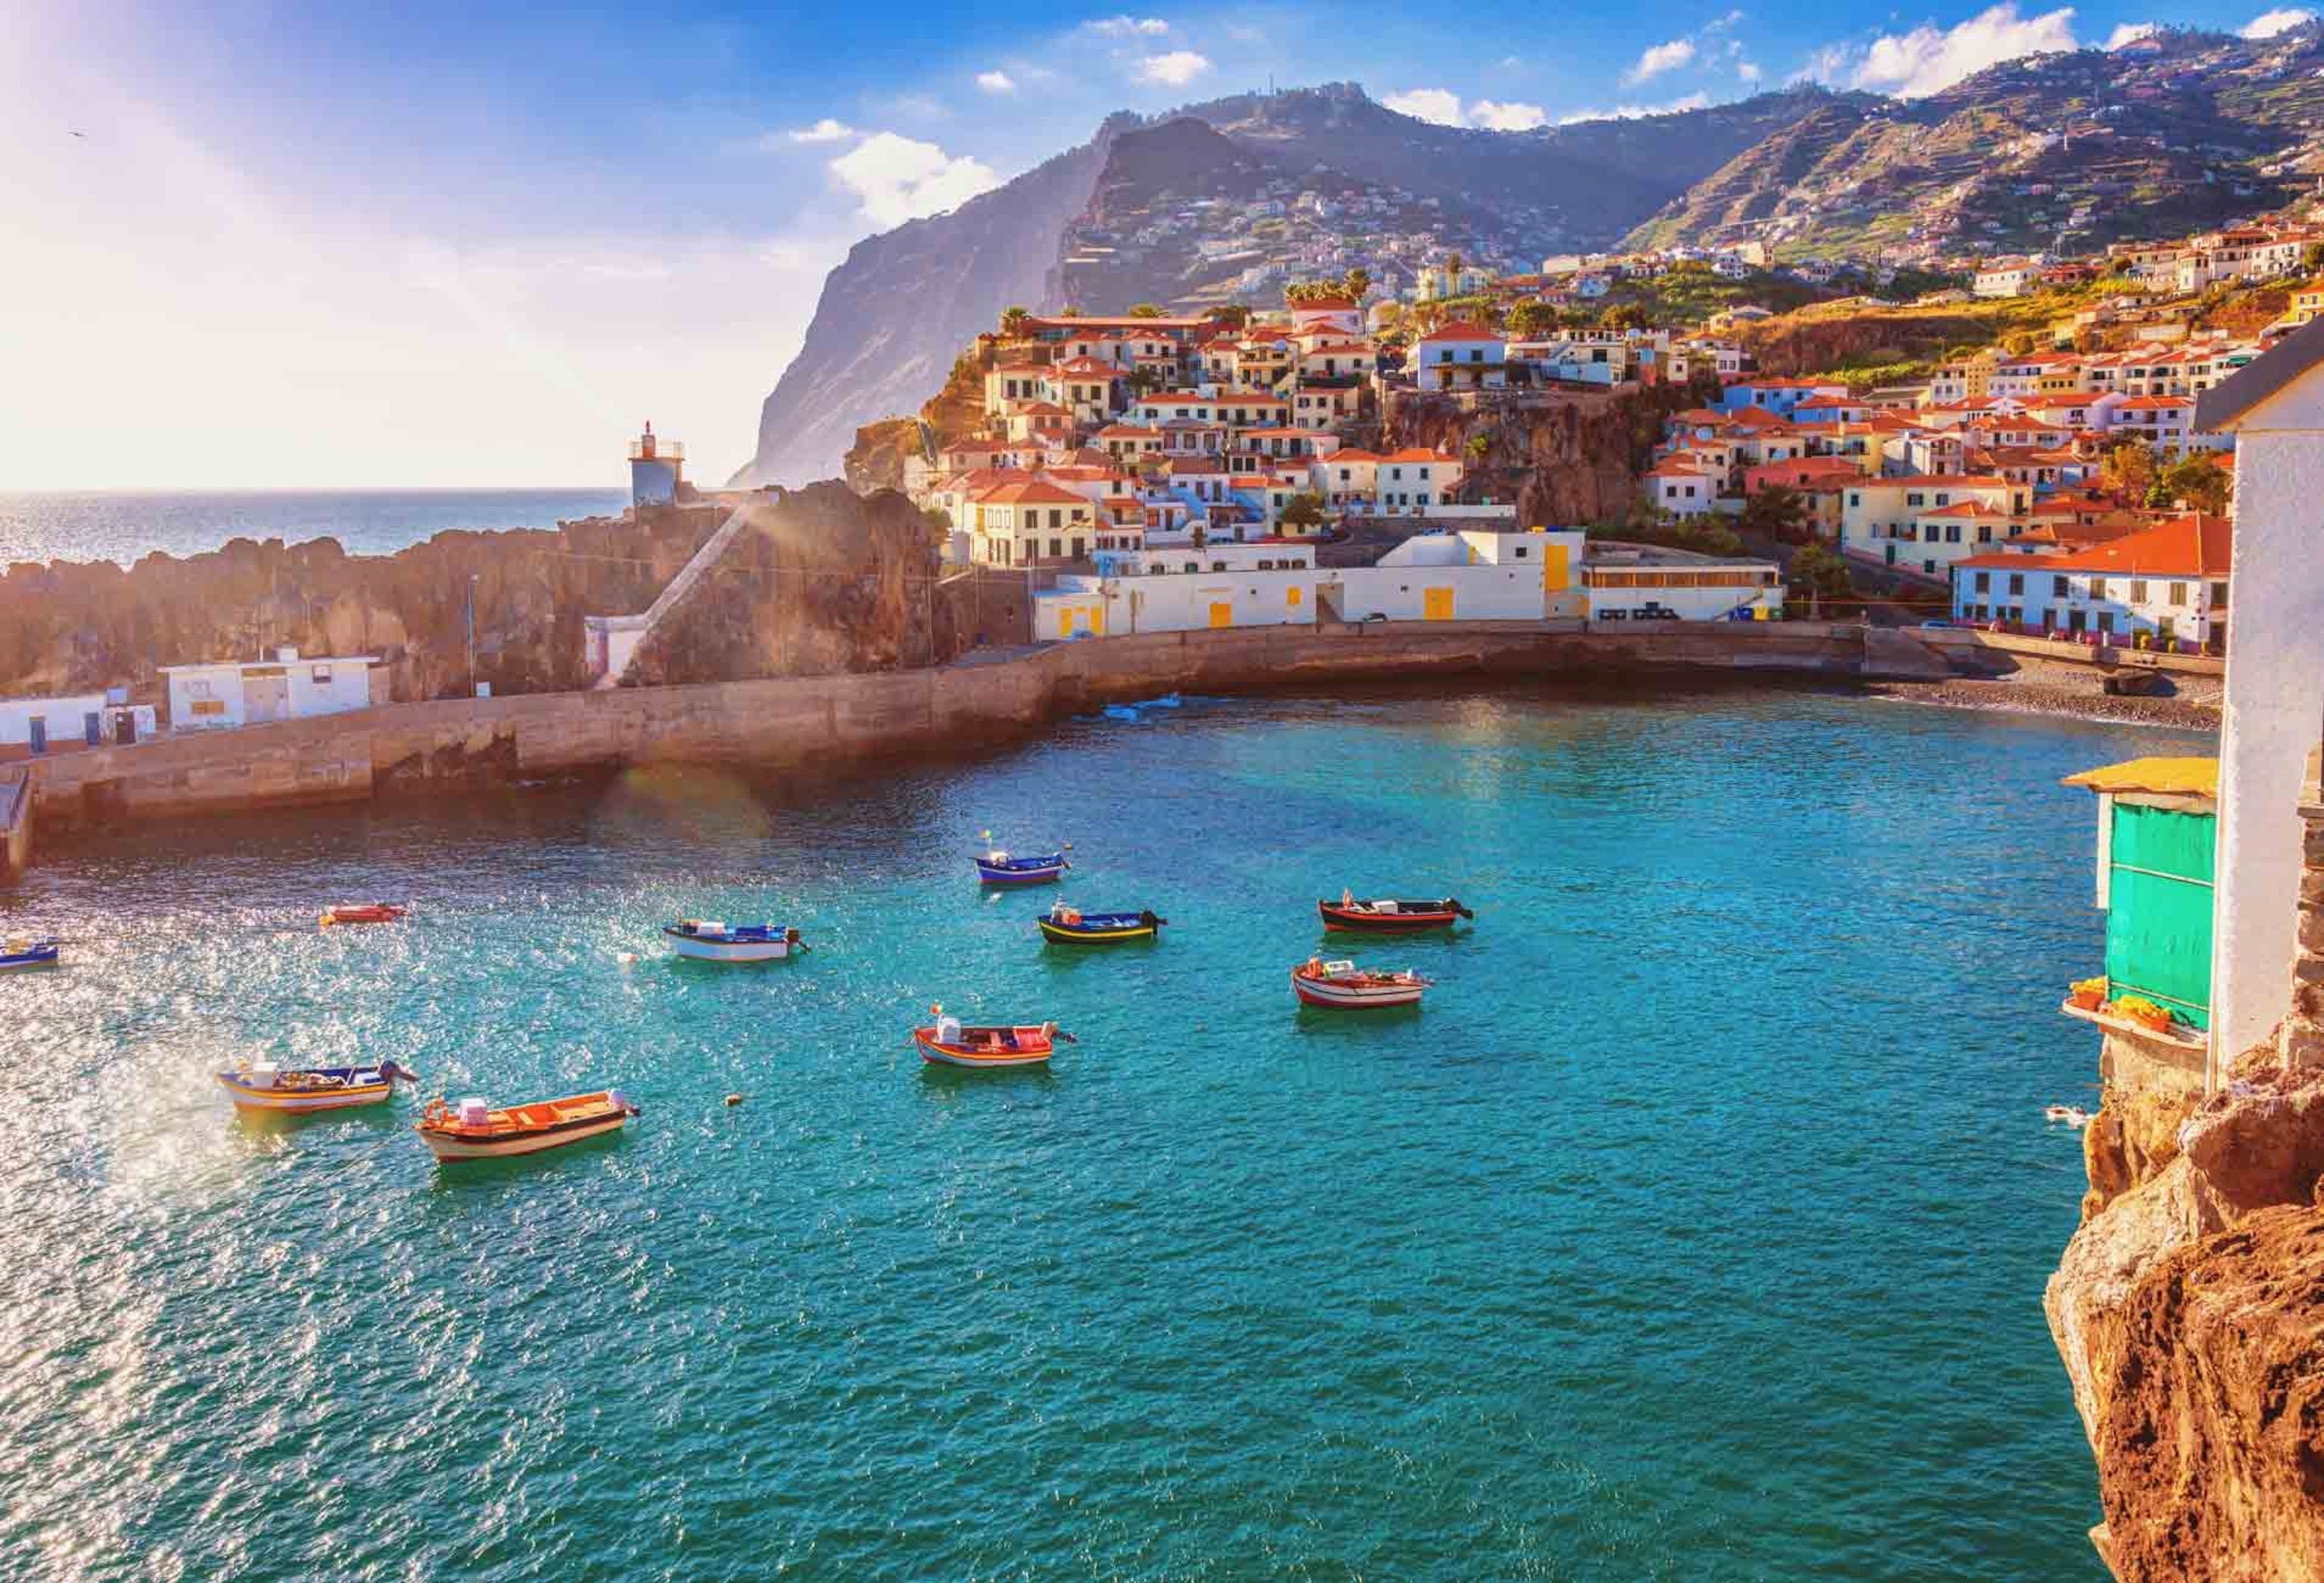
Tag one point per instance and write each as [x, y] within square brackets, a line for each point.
[713, 550]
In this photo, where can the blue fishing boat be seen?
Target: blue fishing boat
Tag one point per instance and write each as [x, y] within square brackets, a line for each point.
[1069, 926]
[707, 939]
[997, 868]
[29, 953]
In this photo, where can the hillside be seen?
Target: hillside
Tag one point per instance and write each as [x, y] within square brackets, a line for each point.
[2063, 153]
[893, 315]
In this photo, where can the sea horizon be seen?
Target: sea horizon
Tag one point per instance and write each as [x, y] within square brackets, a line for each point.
[124, 526]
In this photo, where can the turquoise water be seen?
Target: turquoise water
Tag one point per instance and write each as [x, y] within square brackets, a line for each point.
[1695, 1229]
[122, 525]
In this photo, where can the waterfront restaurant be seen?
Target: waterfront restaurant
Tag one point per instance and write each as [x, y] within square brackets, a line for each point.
[251, 692]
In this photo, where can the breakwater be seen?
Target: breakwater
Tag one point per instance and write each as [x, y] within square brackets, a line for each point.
[451, 745]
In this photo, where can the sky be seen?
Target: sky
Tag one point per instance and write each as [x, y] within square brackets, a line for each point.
[304, 245]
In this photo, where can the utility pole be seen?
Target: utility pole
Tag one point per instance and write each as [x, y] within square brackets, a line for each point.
[472, 634]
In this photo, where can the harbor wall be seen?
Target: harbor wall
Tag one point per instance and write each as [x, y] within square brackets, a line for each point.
[448, 746]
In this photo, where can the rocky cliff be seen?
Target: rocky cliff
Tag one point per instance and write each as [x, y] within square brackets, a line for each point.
[68, 628]
[895, 313]
[1566, 459]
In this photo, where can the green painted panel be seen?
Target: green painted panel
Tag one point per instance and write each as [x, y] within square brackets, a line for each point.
[2159, 909]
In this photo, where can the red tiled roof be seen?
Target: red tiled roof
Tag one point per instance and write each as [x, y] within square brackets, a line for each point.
[1460, 330]
[1031, 492]
[2194, 546]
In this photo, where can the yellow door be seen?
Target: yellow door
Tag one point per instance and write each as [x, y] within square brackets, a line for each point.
[1436, 603]
[1093, 621]
[1065, 622]
[1553, 570]
[1291, 596]
[1222, 612]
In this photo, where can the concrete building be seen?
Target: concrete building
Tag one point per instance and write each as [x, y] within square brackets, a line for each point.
[251, 692]
[2166, 586]
[34, 724]
[656, 467]
[1640, 582]
[2274, 714]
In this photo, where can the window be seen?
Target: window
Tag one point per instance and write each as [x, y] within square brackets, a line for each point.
[1916, 499]
[2138, 590]
[1057, 548]
[2098, 590]
[1984, 583]
[2179, 594]
[2105, 621]
[2016, 582]
[1521, 552]
[1854, 498]
[2219, 594]
[2059, 588]
[320, 675]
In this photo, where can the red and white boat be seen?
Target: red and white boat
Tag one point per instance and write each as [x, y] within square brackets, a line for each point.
[1343, 986]
[363, 912]
[947, 1043]
[1391, 916]
[474, 1130]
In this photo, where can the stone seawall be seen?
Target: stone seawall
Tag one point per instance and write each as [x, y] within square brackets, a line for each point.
[450, 744]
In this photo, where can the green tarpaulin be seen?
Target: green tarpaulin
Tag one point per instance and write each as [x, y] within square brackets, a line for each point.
[2159, 909]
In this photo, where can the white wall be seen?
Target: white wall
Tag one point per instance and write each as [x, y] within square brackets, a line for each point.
[348, 686]
[63, 718]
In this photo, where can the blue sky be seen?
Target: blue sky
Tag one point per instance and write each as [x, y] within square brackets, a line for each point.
[453, 244]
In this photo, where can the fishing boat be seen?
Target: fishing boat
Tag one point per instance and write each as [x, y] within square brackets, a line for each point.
[476, 1130]
[363, 912]
[997, 868]
[1344, 986]
[1391, 916]
[21, 952]
[706, 939]
[1069, 926]
[306, 1089]
[947, 1043]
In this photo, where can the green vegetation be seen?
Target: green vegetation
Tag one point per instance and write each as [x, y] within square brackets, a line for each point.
[1820, 572]
[1304, 510]
[1644, 525]
[1777, 513]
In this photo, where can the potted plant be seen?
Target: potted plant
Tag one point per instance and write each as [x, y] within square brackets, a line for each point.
[2138, 1009]
[2089, 994]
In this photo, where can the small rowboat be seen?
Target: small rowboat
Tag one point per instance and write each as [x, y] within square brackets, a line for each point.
[707, 940]
[1391, 916]
[1069, 927]
[363, 912]
[949, 1043]
[20, 952]
[473, 1130]
[999, 868]
[305, 1088]
[1343, 986]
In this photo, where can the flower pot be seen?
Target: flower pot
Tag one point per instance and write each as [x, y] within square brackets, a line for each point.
[2161, 1024]
[2087, 1000]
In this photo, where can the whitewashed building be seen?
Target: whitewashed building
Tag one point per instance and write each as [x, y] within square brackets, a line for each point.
[251, 692]
[32, 725]
[2167, 585]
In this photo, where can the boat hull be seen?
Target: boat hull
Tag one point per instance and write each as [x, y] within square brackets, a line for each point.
[1045, 875]
[1326, 996]
[361, 913]
[247, 1096]
[711, 950]
[44, 955]
[1103, 935]
[1349, 921]
[445, 1146]
[969, 1060]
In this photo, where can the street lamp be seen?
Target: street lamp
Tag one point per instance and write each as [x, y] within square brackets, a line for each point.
[472, 634]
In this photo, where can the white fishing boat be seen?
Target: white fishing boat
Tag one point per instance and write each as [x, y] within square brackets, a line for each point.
[707, 939]
[300, 1089]
[1344, 986]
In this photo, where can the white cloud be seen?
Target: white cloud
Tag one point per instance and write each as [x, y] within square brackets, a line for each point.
[1928, 60]
[2130, 32]
[824, 131]
[1508, 117]
[1175, 69]
[1128, 27]
[2268, 24]
[897, 179]
[1632, 112]
[1440, 105]
[996, 82]
[1748, 71]
[1661, 57]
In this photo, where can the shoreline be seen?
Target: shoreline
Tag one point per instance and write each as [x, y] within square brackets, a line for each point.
[2049, 700]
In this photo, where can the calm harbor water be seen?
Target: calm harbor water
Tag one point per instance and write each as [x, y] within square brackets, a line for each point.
[123, 525]
[1695, 1229]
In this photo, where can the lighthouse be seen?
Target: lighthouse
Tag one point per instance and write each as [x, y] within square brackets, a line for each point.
[654, 469]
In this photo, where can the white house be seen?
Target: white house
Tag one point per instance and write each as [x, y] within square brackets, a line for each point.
[1459, 355]
[36, 724]
[250, 692]
[1641, 583]
[2168, 585]
[1681, 490]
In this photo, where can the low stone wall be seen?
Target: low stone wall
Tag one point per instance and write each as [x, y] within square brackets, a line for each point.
[2071, 653]
[452, 743]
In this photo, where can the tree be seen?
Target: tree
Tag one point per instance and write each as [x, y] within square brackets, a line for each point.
[1304, 510]
[1142, 381]
[1624, 316]
[2311, 257]
[2197, 483]
[1823, 571]
[1778, 512]
[1234, 315]
[1069, 311]
[1477, 446]
[1453, 266]
[1013, 320]
[1356, 282]
[939, 524]
[1530, 318]
[2131, 468]
[1146, 310]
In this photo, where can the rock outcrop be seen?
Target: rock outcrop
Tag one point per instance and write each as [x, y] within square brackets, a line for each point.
[2189, 1311]
[1564, 459]
[68, 628]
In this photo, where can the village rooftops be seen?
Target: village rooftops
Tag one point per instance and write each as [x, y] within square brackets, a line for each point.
[1461, 330]
[1029, 492]
[2197, 545]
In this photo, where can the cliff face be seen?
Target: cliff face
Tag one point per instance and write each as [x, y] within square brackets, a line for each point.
[821, 581]
[1564, 459]
[67, 627]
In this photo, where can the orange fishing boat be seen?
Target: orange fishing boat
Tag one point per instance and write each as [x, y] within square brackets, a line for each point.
[363, 912]
[474, 1130]
[947, 1043]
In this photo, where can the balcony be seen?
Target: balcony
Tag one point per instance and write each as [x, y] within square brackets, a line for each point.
[657, 450]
